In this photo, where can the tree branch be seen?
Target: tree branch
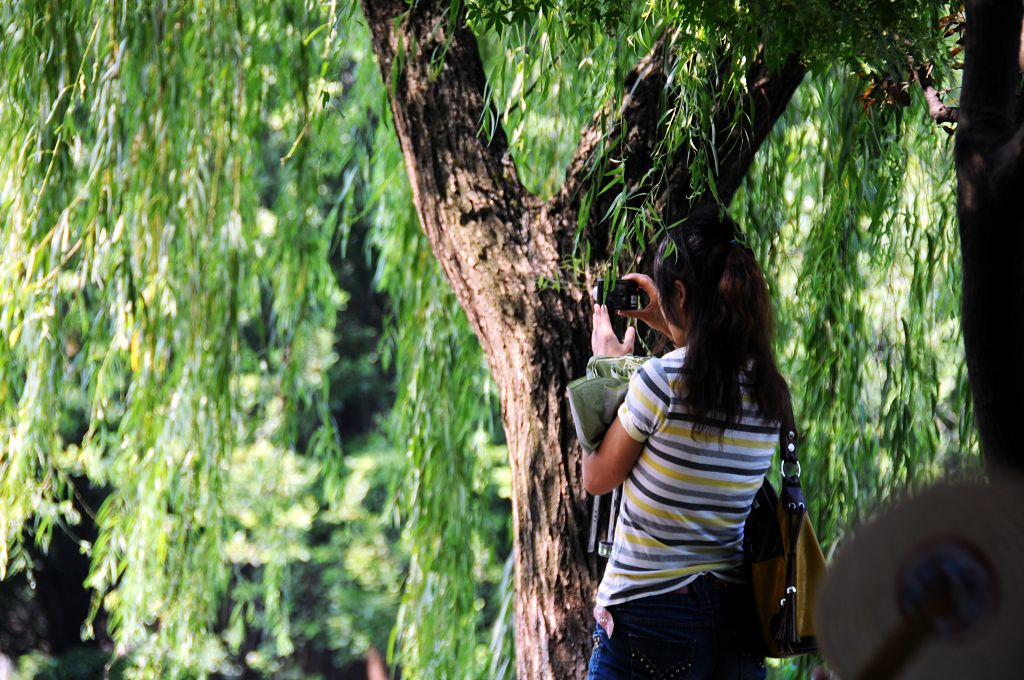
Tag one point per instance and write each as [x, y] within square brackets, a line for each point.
[939, 112]
[633, 137]
[767, 97]
[470, 202]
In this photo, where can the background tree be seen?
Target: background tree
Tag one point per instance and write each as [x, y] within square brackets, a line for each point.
[155, 279]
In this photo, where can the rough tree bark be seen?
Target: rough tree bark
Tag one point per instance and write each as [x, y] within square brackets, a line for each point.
[495, 243]
[990, 170]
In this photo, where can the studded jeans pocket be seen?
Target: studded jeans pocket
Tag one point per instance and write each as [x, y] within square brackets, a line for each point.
[652, 659]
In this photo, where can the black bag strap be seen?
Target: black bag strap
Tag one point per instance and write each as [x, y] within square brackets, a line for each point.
[787, 433]
[792, 499]
[791, 495]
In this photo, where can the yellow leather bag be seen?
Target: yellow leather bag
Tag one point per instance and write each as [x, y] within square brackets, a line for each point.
[786, 562]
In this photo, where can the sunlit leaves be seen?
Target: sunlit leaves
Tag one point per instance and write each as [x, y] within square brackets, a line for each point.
[548, 81]
[876, 32]
[852, 213]
[135, 273]
[445, 403]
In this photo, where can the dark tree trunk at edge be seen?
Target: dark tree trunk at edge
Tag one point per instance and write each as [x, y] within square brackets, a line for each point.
[990, 158]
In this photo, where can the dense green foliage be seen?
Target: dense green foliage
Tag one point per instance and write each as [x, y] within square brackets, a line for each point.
[868, 301]
[139, 258]
[181, 187]
[867, 31]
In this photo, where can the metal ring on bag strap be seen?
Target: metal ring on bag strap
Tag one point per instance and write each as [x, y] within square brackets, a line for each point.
[782, 469]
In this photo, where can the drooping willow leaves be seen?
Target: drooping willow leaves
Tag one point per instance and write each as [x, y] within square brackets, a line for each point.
[862, 253]
[147, 280]
[444, 407]
[167, 273]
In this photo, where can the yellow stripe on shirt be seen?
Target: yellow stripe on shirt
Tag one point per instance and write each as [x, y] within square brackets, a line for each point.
[692, 519]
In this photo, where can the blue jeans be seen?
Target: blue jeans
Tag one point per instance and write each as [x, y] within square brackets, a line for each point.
[709, 633]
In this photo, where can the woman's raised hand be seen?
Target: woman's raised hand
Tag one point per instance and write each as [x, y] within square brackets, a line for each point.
[603, 341]
[651, 314]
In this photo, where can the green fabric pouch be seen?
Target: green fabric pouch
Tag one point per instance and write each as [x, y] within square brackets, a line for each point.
[594, 399]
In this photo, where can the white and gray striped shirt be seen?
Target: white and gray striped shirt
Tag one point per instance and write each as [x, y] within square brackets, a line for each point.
[687, 498]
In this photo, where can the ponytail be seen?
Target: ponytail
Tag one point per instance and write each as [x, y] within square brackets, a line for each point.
[727, 317]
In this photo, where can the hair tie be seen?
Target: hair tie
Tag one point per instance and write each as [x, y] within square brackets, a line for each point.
[734, 242]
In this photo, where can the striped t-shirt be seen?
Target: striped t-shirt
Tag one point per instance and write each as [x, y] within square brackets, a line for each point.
[687, 498]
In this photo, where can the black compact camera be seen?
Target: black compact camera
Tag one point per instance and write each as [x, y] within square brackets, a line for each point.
[617, 294]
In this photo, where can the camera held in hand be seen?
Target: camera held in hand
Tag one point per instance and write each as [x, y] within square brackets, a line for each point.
[620, 294]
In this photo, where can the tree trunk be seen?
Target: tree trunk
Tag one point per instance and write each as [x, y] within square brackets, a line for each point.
[990, 158]
[495, 243]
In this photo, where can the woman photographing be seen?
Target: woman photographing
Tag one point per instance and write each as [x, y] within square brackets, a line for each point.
[691, 446]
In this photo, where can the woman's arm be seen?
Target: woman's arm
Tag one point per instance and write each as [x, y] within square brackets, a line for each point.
[610, 465]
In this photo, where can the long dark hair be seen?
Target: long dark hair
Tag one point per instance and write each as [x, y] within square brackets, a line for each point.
[727, 315]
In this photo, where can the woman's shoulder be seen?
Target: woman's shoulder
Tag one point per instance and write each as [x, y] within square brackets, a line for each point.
[662, 374]
[668, 366]
[665, 364]
[675, 357]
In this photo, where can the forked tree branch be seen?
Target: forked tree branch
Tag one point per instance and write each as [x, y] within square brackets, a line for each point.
[632, 137]
[628, 137]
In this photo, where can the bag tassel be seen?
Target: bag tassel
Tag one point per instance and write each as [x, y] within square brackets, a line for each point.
[785, 630]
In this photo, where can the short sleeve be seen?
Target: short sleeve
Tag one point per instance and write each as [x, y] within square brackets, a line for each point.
[647, 400]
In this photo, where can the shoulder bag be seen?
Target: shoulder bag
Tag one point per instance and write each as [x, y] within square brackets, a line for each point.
[785, 559]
